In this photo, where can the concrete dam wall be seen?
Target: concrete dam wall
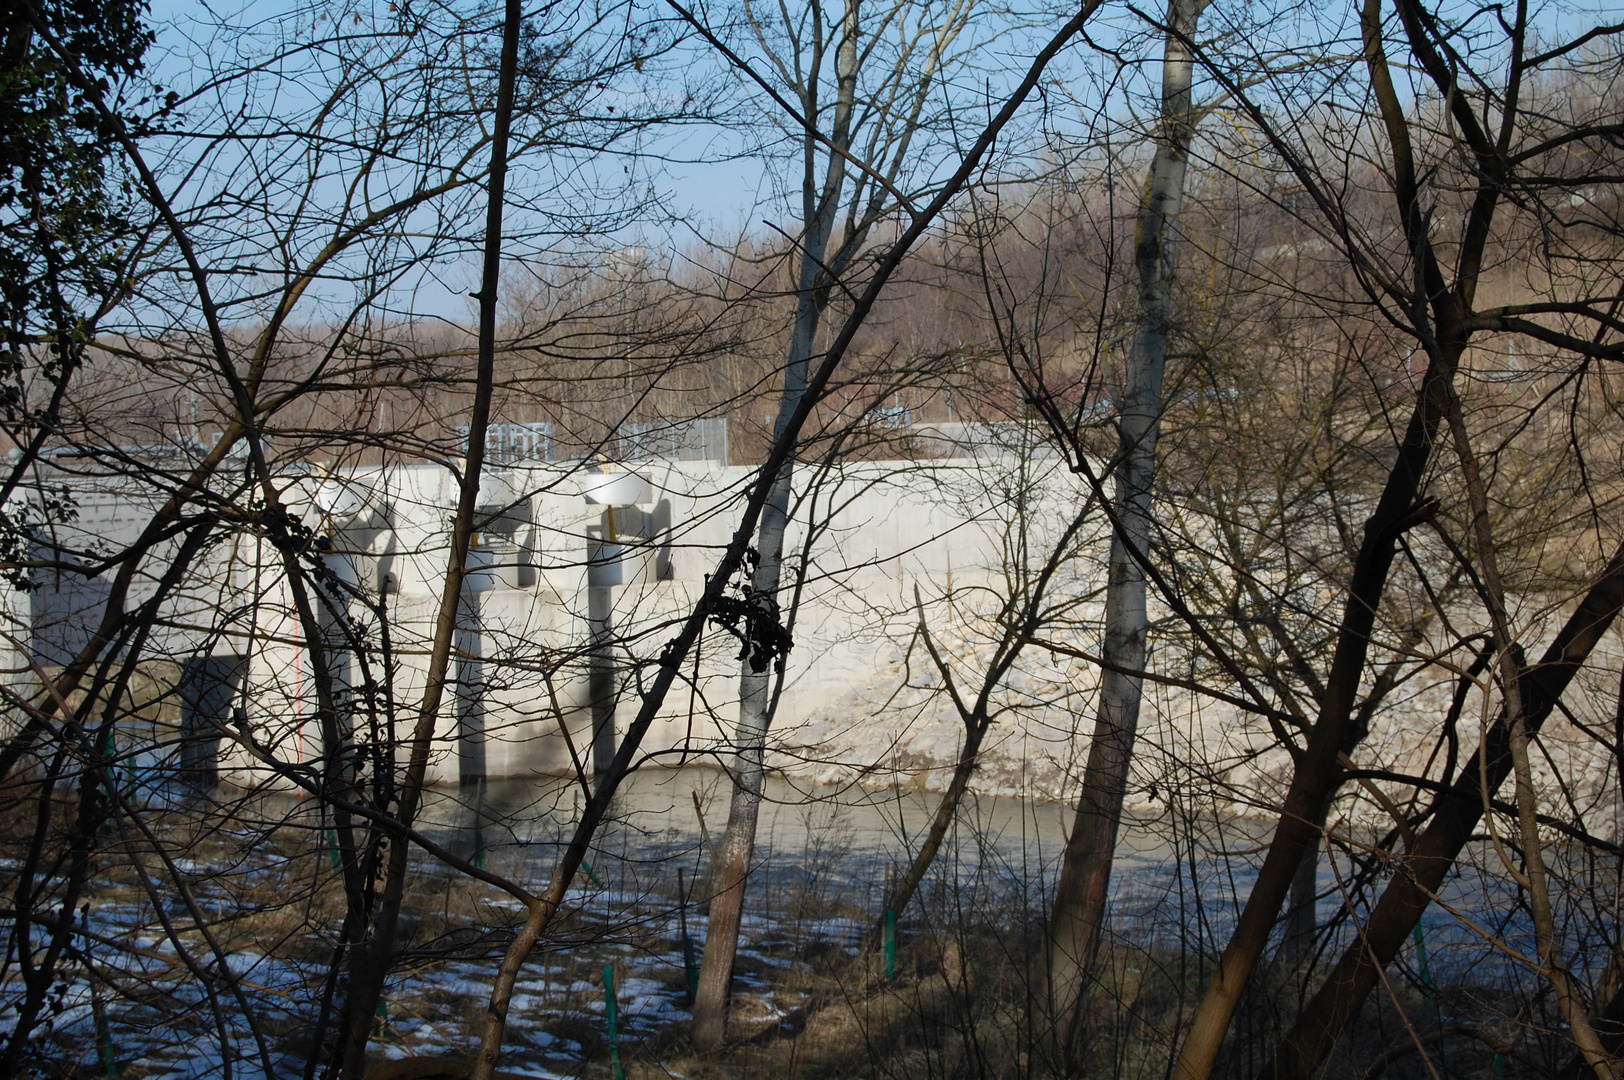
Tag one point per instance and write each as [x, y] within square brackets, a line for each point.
[909, 571]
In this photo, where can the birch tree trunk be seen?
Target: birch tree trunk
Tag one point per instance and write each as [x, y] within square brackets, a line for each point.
[755, 687]
[1085, 876]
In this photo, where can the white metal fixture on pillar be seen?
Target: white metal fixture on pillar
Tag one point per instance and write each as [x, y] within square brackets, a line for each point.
[603, 572]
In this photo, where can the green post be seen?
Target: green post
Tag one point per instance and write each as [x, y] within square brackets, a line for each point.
[890, 944]
[104, 1032]
[590, 876]
[691, 964]
[98, 1009]
[330, 842]
[1424, 969]
[1421, 960]
[1499, 1066]
[612, 1017]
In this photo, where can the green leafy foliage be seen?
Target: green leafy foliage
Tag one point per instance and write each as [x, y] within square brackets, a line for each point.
[64, 199]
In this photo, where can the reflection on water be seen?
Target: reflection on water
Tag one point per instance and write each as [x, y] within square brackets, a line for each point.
[1180, 878]
[849, 835]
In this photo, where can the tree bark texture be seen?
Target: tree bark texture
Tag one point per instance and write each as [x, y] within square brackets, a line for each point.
[1085, 876]
[755, 703]
[728, 888]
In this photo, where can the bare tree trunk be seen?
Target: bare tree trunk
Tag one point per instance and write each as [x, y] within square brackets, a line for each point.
[543, 908]
[1301, 917]
[1454, 820]
[374, 955]
[1529, 693]
[1552, 957]
[946, 810]
[976, 715]
[737, 850]
[1085, 876]
[819, 206]
[1317, 771]
[755, 687]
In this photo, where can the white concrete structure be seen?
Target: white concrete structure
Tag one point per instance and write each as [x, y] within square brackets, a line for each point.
[897, 549]
[890, 539]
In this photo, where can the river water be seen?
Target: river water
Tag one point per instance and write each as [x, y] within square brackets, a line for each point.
[1180, 878]
[636, 912]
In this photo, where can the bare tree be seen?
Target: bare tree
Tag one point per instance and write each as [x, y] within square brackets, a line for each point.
[1430, 286]
[716, 603]
[1085, 875]
[397, 157]
[869, 76]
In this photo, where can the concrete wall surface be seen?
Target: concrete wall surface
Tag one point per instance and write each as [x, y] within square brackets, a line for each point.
[906, 576]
